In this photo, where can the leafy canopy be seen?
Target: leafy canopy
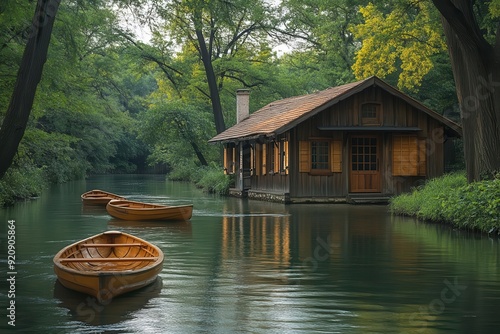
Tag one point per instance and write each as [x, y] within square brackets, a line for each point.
[400, 37]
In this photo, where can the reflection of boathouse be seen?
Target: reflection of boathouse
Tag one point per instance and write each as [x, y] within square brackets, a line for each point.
[361, 139]
[306, 241]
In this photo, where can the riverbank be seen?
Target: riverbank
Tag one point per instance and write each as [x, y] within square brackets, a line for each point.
[450, 199]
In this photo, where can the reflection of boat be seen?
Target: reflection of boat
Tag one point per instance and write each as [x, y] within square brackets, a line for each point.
[98, 197]
[88, 310]
[108, 264]
[131, 210]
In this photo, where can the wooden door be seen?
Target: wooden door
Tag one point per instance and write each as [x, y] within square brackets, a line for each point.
[365, 175]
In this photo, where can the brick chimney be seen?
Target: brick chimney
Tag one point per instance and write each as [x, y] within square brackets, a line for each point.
[242, 104]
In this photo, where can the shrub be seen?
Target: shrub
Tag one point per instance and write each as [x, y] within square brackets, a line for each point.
[423, 201]
[184, 172]
[209, 178]
[213, 180]
[475, 206]
[21, 183]
[450, 199]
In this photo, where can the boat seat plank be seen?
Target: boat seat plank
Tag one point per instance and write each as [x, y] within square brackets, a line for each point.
[113, 245]
[112, 259]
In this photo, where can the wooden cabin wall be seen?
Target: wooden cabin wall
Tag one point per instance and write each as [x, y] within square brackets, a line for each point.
[395, 113]
[276, 183]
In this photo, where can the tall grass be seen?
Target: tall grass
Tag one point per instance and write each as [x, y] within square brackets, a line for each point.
[450, 199]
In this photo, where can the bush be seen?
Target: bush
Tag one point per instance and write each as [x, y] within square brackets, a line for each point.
[213, 180]
[423, 201]
[475, 206]
[21, 183]
[184, 172]
[209, 178]
[450, 199]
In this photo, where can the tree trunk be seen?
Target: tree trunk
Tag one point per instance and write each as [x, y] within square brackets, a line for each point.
[206, 58]
[476, 71]
[28, 77]
[199, 154]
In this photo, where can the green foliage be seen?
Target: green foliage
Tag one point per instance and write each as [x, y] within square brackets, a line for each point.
[475, 206]
[178, 132]
[55, 154]
[184, 171]
[494, 8]
[213, 180]
[209, 178]
[450, 199]
[400, 40]
[326, 45]
[422, 201]
[21, 183]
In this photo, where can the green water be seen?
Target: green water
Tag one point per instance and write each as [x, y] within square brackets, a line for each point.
[253, 267]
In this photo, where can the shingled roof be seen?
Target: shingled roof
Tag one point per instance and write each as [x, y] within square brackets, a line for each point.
[282, 115]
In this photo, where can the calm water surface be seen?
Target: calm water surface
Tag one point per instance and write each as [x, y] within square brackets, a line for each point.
[255, 267]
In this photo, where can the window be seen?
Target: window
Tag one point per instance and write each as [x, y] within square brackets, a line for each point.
[319, 155]
[371, 114]
[324, 156]
[364, 154]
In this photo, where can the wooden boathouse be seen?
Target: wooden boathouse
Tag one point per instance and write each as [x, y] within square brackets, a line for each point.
[357, 142]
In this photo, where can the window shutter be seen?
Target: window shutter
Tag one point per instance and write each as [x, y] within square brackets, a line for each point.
[258, 159]
[422, 157]
[285, 157]
[252, 161]
[304, 156]
[264, 159]
[233, 161]
[405, 154]
[226, 167]
[336, 156]
[229, 159]
[276, 157]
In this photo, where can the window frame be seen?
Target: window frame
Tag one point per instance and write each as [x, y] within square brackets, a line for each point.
[371, 121]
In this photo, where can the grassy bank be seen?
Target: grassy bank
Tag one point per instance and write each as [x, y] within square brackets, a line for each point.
[450, 199]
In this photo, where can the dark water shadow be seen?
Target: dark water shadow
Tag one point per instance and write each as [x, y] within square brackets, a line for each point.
[87, 309]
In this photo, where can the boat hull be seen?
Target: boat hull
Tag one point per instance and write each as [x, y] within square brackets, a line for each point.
[108, 265]
[98, 197]
[130, 210]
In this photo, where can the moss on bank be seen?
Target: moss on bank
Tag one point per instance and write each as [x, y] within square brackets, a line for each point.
[451, 200]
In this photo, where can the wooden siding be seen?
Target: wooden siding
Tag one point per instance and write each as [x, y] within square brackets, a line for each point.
[300, 183]
[395, 112]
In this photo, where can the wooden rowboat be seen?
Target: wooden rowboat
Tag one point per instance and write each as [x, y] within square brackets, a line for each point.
[98, 197]
[131, 210]
[108, 264]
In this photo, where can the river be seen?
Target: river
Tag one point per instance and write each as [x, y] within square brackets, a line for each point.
[241, 266]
